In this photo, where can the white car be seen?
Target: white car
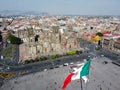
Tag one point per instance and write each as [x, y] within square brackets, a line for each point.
[1, 57]
[65, 64]
[8, 68]
[71, 63]
[102, 55]
[45, 70]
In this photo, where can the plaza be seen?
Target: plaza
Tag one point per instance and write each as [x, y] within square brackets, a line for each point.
[103, 76]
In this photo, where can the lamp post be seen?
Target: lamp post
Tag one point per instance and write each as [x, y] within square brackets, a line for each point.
[66, 43]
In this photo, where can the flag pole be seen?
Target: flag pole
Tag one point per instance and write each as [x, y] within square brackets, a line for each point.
[81, 84]
[86, 85]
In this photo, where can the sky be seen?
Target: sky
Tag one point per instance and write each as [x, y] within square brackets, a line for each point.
[64, 7]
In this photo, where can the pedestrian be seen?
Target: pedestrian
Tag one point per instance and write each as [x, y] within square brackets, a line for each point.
[78, 80]
[46, 88]
[110, 83]
[55, 82]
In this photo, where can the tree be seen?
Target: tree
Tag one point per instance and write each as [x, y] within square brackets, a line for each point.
[13, 39]
[99, 34]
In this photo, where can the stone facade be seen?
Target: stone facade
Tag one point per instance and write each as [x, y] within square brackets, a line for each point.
[111, 44]
[48, 42]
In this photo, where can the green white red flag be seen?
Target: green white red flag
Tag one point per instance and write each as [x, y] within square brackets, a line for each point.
[81, 72]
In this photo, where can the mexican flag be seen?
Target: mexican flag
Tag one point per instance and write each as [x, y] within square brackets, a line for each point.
[81, 72]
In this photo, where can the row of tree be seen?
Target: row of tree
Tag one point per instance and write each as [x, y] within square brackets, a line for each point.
[43, 58]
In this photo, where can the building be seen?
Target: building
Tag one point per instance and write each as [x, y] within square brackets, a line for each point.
[48, 42]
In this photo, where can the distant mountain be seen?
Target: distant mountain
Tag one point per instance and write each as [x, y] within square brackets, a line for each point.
[34, 13]
[9, 12]
[15, 12]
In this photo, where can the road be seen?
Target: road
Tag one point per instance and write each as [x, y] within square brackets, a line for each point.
[107, 53]
[40, 66]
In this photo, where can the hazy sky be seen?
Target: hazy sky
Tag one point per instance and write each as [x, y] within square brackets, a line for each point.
[81, 7]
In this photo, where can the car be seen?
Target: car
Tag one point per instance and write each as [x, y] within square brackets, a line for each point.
[71, 63]
[102, 55]
[105, 62]
[1, 57]
[89, 56]
[65, 64]
[45, 70]
[58, 60]
[56, 66]
[8, 68]
[51, 68]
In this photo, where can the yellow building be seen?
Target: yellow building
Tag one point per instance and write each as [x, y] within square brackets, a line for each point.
[97, 38]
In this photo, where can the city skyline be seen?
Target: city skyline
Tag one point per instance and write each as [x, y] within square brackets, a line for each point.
[64, 7]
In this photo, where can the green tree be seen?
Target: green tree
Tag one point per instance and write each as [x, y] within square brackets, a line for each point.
[72, 52]
[13, 39]
[27, 61]
[78, 52]
[99, 34]
[53, 56]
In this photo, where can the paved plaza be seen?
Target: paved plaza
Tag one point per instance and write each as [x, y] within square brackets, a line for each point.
[103, 76]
